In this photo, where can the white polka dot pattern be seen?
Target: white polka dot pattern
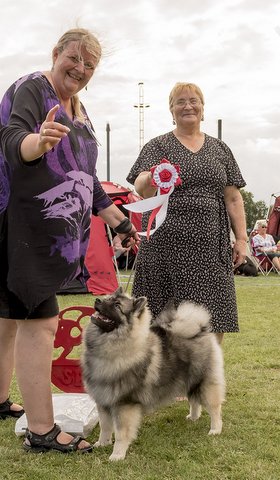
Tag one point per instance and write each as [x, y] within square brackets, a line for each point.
[189, 256]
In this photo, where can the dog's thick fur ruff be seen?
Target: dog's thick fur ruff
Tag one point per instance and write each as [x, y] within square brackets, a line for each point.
[130, 366]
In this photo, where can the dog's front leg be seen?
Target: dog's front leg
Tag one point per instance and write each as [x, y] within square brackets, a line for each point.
[216, 420]
[195, 409]
[213, 403]
[106, 427]
[127, 419]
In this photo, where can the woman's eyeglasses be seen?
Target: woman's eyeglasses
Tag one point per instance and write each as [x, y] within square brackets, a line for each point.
[182, 102]
[77, 60]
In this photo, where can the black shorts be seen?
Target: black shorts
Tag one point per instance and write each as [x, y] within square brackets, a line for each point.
[11, 307]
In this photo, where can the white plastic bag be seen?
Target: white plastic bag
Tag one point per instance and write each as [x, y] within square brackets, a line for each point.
[75, 413]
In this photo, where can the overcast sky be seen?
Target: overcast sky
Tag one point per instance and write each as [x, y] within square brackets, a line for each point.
[230, 48]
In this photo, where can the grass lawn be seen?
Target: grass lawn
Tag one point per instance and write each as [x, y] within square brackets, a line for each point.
[170, 448]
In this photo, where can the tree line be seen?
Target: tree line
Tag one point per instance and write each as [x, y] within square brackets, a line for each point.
[253, 210]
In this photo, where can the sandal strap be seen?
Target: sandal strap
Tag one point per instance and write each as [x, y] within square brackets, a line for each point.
[36, 439]
[6, 405]
[75, 442]
[48, 441]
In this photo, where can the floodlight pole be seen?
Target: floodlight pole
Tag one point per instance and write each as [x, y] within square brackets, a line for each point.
[141, 106]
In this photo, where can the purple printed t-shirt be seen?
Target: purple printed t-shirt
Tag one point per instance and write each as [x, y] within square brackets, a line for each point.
[45, 205]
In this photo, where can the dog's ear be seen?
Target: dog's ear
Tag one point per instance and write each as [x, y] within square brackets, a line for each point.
[139, 304]
[119, 291]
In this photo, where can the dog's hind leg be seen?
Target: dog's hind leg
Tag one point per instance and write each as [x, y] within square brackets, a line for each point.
[127, 419]
[213, 399]
[106, 428]
[195, 409]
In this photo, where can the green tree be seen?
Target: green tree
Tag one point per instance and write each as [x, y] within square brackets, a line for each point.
[253, 210]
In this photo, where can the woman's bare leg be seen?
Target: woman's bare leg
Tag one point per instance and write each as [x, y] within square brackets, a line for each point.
[33, 361]
[8, 329]
[276, 263]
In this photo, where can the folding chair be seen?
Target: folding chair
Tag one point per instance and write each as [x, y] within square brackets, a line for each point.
[265, 265]
[262, 261]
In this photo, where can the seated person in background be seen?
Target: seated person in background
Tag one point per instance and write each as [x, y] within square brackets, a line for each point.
[263, 243]
[247, 268]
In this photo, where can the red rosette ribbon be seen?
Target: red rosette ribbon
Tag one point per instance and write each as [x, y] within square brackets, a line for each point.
[165, 176]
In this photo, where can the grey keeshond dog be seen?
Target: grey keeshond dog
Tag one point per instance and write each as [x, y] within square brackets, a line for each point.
[131, 365]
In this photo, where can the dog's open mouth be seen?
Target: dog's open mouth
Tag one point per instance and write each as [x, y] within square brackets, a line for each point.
[105, 323]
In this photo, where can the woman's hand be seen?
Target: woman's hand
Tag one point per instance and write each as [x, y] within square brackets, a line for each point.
[51, 132]
[116, 219]
[239, 253]
[130, 239]
[143, 185]
[35, 145]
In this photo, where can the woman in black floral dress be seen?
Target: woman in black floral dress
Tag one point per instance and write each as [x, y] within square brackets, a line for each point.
[190, 257]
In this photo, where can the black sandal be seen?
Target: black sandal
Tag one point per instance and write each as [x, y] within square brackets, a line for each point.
[5, 410]
[48, 441]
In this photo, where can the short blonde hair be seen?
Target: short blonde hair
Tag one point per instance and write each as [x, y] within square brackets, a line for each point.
[87, 40]
[179, 87]
[260, 223]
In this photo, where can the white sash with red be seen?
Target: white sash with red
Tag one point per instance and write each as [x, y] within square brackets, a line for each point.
[165, 177]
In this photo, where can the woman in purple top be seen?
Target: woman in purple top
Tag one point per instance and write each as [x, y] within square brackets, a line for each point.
[48, 191]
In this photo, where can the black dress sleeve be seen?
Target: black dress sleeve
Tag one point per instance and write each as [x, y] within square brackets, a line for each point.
[150, 155]
[234, 176]
[27, 116]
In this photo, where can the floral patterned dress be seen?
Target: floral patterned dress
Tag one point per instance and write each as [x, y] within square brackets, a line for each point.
[189, 256]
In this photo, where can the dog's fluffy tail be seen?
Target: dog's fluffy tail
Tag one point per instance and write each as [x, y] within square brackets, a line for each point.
[190, 320]
[187, 321]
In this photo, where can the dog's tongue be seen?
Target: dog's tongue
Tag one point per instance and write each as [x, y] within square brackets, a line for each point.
[103, 322]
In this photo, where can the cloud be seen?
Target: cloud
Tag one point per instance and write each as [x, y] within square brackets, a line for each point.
[230, 49]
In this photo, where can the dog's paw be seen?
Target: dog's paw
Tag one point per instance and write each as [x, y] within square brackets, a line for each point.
[102, 443]
[115, 457]
[215, 431]
[192, 417]
[195, 412]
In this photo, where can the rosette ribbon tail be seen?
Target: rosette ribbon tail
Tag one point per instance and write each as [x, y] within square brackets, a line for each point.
[158, 207]
[151, 219]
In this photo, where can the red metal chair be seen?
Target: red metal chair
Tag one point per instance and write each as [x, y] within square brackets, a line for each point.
[66, 372]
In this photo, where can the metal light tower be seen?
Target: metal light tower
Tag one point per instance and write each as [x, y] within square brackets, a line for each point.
[141, 106]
